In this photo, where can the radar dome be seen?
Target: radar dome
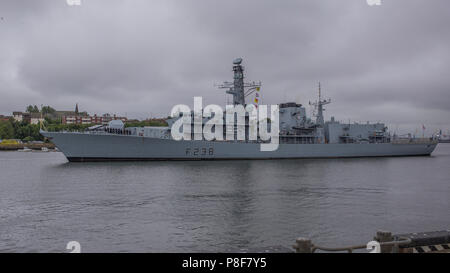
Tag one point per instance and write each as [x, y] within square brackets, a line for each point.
[237, 61]
[116, 124]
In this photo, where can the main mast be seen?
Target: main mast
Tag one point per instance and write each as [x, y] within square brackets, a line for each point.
[238, 88]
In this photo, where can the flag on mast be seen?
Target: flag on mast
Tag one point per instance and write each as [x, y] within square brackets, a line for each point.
[257, 96]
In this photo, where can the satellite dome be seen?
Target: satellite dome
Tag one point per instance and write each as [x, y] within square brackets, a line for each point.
[237, 61]
[116, 124]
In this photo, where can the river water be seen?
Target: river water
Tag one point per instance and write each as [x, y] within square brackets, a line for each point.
[220, 206]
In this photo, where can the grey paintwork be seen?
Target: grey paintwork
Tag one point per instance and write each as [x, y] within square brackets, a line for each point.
[85, 147]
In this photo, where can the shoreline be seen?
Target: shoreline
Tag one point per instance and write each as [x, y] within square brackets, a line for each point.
[32, 146]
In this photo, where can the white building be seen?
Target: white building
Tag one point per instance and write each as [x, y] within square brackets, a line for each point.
[36, 118]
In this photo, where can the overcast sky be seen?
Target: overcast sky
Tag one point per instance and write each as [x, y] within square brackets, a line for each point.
[387, 63]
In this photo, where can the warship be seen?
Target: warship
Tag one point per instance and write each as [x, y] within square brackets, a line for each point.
[299, 136]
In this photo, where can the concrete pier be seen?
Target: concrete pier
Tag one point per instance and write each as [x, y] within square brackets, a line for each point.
[423, 242]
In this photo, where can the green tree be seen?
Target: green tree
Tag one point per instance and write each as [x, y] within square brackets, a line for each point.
[28, 139]
[47, 110]
[6, 130]
[32, 109]
[24, 130]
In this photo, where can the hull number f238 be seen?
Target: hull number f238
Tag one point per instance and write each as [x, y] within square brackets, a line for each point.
[203, 151]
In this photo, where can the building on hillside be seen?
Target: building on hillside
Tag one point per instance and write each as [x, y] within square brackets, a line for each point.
[4, 118]
[104, 119]
[36, 118]
[58, 115]
[22, 117]
[66, 117]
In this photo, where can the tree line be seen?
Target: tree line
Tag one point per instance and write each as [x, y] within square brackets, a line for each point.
[12, 129]
[24, 131]
[45, 110]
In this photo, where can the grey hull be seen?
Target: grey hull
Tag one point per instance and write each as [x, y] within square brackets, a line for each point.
[104, 147]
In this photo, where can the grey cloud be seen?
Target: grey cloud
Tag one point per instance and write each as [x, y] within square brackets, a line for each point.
[146, 56]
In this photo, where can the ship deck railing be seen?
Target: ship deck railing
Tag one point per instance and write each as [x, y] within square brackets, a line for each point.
[101, 132]
[414, 141]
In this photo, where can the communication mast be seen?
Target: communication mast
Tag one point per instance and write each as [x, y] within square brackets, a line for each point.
[318, 106]
[239, 89]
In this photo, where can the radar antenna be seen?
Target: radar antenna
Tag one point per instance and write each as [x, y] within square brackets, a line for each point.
[318, 106]
[239, 89]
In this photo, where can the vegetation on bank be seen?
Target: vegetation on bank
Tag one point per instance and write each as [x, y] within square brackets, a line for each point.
[12, 129]
[19, 130]
[24, 131]
[151, 122]
[45, 110]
